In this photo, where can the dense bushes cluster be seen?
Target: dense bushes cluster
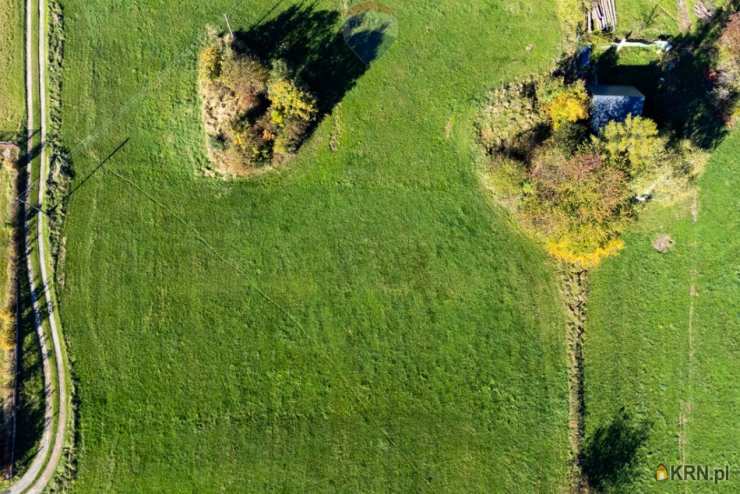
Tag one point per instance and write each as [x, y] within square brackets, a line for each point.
[580, 204]
[572, 188]
[253, 115]
[510, 118]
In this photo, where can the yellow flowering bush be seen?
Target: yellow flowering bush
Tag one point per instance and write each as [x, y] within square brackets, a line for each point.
[288, 102]
[569, 104]
[565, 251]
[7, 331]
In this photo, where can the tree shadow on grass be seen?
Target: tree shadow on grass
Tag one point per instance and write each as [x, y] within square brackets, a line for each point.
[611, 454]
[311, 42]
[31, 387]
[682, 91]
[30, 412]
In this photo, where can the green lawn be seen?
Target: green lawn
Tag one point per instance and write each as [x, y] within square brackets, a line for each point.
[12, 103]
[652, 18]
[648, 18]
[361, 321]
[667, 352]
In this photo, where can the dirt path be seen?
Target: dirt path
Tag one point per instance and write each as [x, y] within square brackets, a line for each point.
[575, 286]
[684, 18]
[51, 445]
[687, 405]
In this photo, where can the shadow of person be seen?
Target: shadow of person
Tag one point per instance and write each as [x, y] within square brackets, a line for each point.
[611, 453]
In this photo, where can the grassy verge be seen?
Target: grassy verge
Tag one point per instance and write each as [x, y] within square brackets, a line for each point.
[360, 321]
[11, 66]
[11, 115]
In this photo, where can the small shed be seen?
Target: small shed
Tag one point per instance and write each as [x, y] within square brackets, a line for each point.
[613, 103]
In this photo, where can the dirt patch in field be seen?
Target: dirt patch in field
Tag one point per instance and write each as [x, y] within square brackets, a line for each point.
[663, 243]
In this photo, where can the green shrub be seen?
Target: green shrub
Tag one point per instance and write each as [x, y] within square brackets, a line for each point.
[547, 88]
[279, 70]
[210, 62]
[563, 103]
[634, 146]
[508, 116]
[507, 177]
[217, 143]
[571, 136]
[734, 117]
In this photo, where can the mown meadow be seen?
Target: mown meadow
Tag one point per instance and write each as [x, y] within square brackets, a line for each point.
[662, 336]
[12, 106]
[360, 320]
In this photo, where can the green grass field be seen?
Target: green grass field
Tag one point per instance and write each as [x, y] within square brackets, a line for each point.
[361, 321]
[647, 17]
[12, 106]
[669, 352]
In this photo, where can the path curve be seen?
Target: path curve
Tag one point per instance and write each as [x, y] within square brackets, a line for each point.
[51, 445]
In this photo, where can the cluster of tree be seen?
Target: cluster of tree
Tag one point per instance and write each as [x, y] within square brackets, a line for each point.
[253, 115]
[570, 187]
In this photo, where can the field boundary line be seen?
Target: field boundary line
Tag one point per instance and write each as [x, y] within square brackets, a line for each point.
[574, 289]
